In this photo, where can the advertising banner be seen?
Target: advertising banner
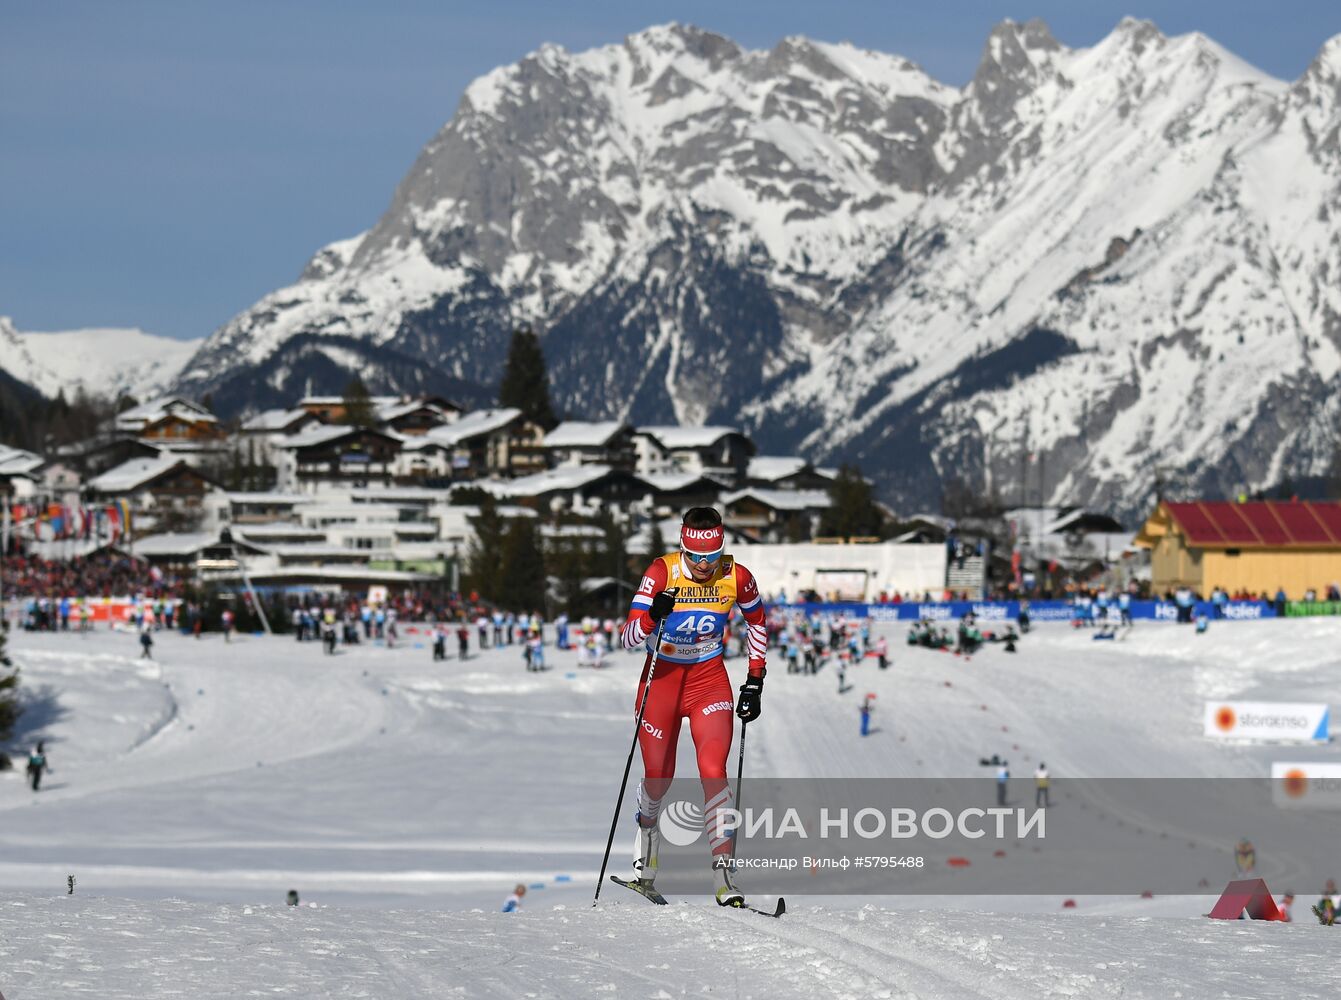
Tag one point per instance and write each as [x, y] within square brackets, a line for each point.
[1296, 722]
[1306, 785]
[1306, 609]
[1039, 611]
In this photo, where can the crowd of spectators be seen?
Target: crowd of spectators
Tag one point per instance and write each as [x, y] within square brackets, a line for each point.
[102, 574]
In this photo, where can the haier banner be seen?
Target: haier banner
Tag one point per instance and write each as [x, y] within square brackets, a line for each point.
[1271, 721]
[1039, 611]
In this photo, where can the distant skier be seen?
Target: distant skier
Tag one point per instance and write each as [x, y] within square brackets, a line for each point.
[1002, 779]
[439, 642]
[1041, 783]
[226, 620]
[513, 903]
[37, 764]
[146, 641]
[463, 640]
[690, 680]
[1325, 909]
[882, 652]
[535, 653]
[1245, 857]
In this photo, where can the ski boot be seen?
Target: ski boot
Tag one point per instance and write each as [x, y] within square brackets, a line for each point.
[644, 865]
[645, 853]
[726, 892]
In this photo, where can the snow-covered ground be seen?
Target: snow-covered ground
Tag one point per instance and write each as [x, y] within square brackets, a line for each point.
[405, 799]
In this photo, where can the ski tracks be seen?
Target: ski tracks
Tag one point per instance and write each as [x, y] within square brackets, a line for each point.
[843, 957]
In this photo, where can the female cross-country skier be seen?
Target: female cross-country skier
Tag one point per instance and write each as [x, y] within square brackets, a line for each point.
[690, 681]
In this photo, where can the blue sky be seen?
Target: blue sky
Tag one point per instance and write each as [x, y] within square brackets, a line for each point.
[165, 164]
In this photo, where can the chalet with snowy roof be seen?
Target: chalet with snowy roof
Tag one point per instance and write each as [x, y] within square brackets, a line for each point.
[332, 409]
[178, 427]
[105, 450]
[578, 488]
[764, 515]
[20, 472]
[721, 452]
[1257, 547]
[416, 417]
[1074, 537]
[259, 436]
[138, 418]
[787, 472]
[497, 442]
[326, 457]
[165, 482]
[676, 492]
[278, 421]
[582, 442]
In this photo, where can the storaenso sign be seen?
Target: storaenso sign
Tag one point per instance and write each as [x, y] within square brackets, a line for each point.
[1267, 721]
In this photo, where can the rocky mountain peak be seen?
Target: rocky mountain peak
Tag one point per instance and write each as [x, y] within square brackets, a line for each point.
[829, 248]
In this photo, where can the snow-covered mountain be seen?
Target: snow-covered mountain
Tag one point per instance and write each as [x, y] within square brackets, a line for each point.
[1086, 268]
[108, 362]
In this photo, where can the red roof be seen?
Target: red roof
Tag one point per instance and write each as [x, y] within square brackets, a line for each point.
[1263, 523]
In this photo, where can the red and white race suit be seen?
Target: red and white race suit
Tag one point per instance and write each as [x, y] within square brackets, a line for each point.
[690, 679]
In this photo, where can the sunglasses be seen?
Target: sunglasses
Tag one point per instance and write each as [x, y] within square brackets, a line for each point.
[702, 558]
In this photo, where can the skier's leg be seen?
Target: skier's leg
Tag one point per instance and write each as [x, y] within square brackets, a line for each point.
[711, 720]
[657, 739]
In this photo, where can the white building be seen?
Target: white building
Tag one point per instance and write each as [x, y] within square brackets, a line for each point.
[722, 452]
[581, 442]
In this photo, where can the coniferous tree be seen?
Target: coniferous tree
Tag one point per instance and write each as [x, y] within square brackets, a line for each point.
[656, 544]
[522, 574]
[852, 513]
[485, 553]
[568, 563]
[9, 693]
[614, 554]
[358, 404]
[525, 382]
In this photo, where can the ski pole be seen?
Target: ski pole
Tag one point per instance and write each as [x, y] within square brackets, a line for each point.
[740, 779]
[628, 764]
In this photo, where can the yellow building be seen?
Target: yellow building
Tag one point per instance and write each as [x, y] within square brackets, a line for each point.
[1257, 547]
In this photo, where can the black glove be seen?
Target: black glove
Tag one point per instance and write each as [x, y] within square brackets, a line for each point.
[662, 605]
[751, 692]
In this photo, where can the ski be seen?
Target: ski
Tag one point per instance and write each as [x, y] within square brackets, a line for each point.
[777, 910]
[646, 891]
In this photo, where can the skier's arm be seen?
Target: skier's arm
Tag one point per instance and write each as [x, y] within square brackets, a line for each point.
[639, 625]
[756, 626]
